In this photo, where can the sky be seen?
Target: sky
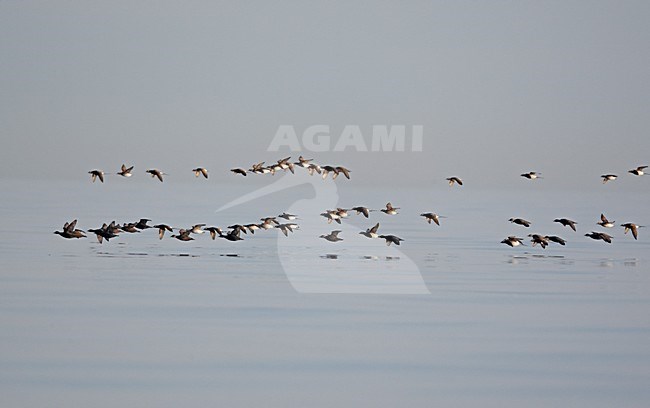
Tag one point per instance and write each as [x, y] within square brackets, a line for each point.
[499, 88]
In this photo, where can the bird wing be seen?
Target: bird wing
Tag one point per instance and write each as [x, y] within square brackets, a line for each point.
[70, 226]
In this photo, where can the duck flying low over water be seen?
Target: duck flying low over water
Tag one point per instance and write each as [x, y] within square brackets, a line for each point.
[325, 170]
[125, 171]
[531, 175]
[200, 171]
[371, 232]
[106, 232]
[197, 229]
[566, 222]
[520, 221]
[69, 231]
[161, 229]
[302, 162]
[288, 217]
[605, 223]
[332, 236]
[238, 228]
[632, 227]
[232, 235]
[239, 170]
[156, 173]
[213, 231]
[183, 235]
[538, 239]
[142, 224]
[331, 215]
[268, 223]
[96, 174]
[130, 228]
[454, 180]
[112, 228]
[314, 168]
[286, 228]
[285, 164]
[608, 177]
[431, 217]
[556, 239]
[362, 210]
[600, 236]
[342, 212]
[257, 168]
[390, 210]
[341, 170]
[513, 241]
[639, 171]
[252, 227]
[391, 239]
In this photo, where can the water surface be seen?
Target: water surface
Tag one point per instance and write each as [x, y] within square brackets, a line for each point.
[451, 318]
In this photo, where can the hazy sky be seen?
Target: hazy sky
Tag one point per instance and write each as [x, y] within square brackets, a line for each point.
[499, 87]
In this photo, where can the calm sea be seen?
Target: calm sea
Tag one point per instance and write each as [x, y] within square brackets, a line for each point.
[450, 318]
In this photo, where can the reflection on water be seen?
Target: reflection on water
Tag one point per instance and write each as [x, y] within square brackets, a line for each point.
[190, 321]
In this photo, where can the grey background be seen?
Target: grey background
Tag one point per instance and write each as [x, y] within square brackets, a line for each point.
[500, 87]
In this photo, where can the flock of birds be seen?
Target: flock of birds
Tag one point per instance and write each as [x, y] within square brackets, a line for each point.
[234, 232]
[544, 240]
[256, 168]
[109, 231]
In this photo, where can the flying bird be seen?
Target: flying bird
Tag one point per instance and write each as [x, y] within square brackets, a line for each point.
[94, 174]
[520, 221]
[161, 229]
[390, 210]
[156, 173]
[638, 171]
[539, 239]
[513, 241]
[556, 239]
[183, 235]
[605, 223]
[631, 227]
[600, 236]
[371, 232]
[566, 222]
[200, 171]
[125, 172]
[608, 177]
[69, 231]
[531, 175]
[239, 170]
[332, 236]
[362, 210]
[341, 169]
[431, 217]
[391, 239]
[142, 224]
